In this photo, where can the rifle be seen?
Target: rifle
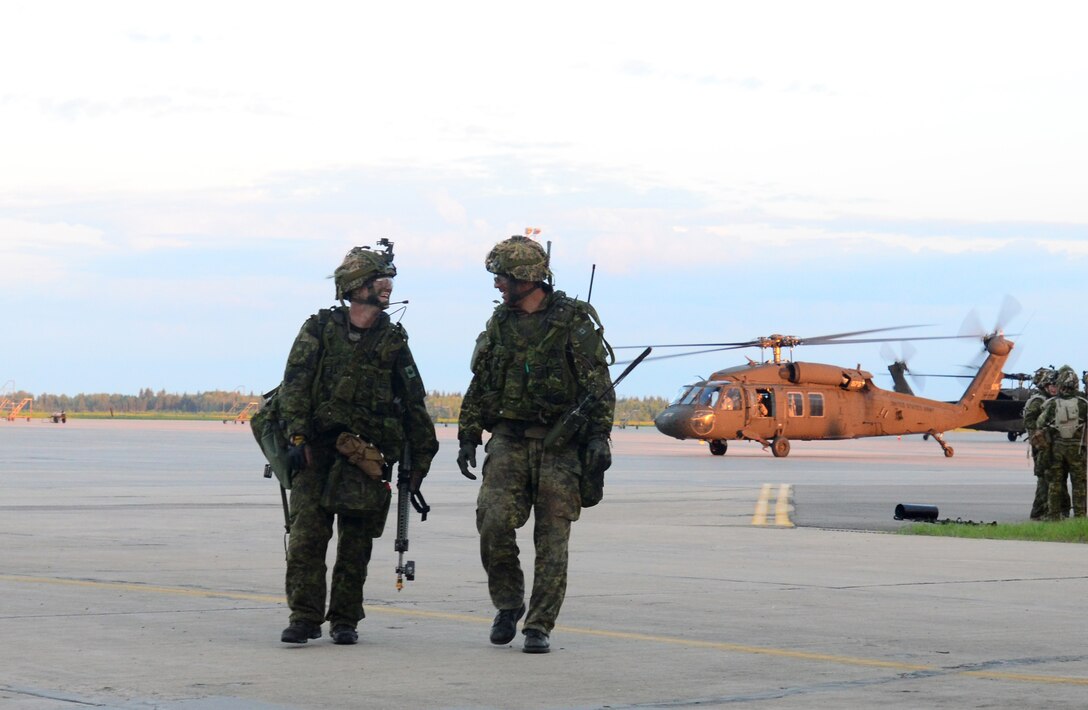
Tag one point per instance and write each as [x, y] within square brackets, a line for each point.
[568, 427]
[405, 496]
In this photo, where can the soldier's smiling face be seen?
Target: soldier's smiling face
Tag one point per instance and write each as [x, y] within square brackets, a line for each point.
[512, 289]
[375, 293]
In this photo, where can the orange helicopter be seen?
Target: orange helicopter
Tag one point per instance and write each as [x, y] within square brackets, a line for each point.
[777, 401]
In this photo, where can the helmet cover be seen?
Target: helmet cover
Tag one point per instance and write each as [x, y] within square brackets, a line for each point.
[360, 265]
[520, 258]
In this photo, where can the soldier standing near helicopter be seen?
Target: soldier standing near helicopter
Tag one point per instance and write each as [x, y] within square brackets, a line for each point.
[1063, 422]
[1044, 389]
[540, 354]
[350, 382]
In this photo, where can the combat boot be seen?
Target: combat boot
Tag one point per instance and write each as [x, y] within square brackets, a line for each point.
[505, 626]
[344, 634]
[301, 632]
[536, 641]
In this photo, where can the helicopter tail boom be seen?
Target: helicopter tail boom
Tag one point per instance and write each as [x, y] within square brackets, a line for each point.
[986, 384]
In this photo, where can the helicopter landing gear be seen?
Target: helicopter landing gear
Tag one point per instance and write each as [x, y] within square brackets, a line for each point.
[948, 450]
[718, 446]
[1013, 435]
[780, 446]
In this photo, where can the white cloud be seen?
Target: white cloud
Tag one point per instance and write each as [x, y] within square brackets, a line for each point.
[835, 103]
[19, 235]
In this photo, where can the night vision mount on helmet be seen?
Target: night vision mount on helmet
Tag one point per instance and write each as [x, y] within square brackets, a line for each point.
[521, 258]
[361, 265]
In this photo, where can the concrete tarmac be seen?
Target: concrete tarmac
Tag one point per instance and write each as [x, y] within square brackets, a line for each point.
[142, 567]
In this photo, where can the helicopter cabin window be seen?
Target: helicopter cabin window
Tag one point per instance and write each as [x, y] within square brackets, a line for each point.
[795, 404]
[731, 399]
[815, 404]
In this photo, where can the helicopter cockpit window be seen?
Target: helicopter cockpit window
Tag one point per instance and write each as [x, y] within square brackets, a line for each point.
[681, 394]
[795, 404]
[708, 397]
[691, 395]
[731, 399]
[815, 404]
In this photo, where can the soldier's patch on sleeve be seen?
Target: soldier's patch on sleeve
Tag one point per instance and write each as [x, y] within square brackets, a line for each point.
[410, 372]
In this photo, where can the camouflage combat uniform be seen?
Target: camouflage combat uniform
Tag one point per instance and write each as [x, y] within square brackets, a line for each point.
[340, 378]
[528, 371]
[1041, 459]
[1066, 451]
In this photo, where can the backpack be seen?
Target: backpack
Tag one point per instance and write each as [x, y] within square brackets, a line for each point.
[1067, 416]
[267, 426]
[268, 431]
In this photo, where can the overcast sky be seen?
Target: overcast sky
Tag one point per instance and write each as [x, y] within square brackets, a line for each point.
[178, 180]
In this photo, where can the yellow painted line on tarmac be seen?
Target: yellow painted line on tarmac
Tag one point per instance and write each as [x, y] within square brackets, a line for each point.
[599, 633]
[781, 506]
[760, 516]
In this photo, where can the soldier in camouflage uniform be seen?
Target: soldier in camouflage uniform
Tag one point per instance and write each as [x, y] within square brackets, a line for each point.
[539, 356]
[349, 372]
[1063, 423]
[1044, 389]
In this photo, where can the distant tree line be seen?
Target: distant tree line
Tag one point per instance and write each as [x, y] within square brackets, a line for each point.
[441, 405]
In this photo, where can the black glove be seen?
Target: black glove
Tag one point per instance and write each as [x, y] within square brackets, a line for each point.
[298, 457]
[466, 459]
[598, 455]
[415, 480]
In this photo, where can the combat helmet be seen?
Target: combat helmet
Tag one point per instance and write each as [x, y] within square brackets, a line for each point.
[1039, 379]
[360, 265]
[1067, 380]
[520, 258]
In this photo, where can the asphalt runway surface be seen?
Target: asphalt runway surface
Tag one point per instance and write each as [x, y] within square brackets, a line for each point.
[142, 567]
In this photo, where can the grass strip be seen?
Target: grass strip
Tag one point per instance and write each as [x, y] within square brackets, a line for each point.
[1069, 530]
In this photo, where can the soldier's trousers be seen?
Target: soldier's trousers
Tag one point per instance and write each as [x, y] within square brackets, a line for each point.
[1067, 461]
[1042, 488]
[311, 530]
[519, 477]
[1041, 504]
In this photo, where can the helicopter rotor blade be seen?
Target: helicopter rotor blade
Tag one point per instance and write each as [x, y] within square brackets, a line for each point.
[695, 352]
[818, 340]
[1010, 308]
[886, 340]
[972, 326]
[743, 344]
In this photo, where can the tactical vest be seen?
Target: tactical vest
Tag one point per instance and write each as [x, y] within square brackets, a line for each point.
[528, 377]
[353, 388]
[1067, 417]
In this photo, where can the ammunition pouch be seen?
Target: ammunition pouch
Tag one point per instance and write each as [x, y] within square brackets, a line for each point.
[351, 492]
[361, 454]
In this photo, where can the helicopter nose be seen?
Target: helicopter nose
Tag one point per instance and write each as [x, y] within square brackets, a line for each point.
[674, 422]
